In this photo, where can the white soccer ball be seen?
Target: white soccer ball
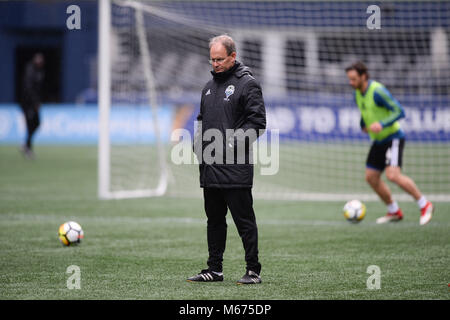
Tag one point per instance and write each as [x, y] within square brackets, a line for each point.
[354, 211]
[70, 233]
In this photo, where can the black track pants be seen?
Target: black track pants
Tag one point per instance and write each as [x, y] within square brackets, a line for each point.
[240, 203]
[32, 120]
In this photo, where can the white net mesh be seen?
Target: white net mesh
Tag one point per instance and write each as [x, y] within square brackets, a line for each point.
[298, 51]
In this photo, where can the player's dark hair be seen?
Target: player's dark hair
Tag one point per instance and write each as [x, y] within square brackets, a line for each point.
[226, 41]
[359, 67]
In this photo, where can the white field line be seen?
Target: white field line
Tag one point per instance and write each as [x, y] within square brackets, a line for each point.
[21, 217]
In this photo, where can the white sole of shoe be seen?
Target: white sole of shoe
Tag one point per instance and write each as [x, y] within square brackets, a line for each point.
[427, 217]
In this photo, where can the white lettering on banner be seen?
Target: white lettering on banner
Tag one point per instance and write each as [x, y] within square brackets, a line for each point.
[428, 122]
[282, 119]
[349, 119]
[54, 126]
[325, 121]
[306, 119]
[146, 126]
[125, 127]
[5, 124]
[420, 120]
[84, 128]
[60, 125]
[444, 115]
[21, 126]
[74, 125]
[413, 120]
[317, 119]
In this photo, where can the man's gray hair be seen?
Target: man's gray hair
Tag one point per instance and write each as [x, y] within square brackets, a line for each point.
[226, 41]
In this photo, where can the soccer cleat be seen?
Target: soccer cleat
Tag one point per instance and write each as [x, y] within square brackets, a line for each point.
[391, 217]
[206, 276]
[250, 277]
[426, 213]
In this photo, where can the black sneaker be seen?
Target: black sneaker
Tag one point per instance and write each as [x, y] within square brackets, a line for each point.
[250, 277]
[206, 276]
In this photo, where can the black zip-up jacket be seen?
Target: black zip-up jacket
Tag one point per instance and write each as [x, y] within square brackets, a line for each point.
[231, 100]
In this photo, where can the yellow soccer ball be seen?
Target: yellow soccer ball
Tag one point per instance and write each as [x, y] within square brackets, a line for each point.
[354, 211]
[70, 233]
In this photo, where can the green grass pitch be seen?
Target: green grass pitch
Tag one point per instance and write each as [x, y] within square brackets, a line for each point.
[146, 248]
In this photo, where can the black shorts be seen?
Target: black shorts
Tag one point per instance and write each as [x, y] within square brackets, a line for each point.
[386, 154]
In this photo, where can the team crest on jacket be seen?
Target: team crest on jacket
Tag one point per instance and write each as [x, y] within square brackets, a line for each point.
[228, 92]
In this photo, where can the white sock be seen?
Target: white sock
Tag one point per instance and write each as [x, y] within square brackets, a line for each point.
[393, 207]
[422, 202]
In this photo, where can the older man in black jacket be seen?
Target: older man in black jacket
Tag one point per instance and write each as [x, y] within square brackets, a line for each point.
[232, 116]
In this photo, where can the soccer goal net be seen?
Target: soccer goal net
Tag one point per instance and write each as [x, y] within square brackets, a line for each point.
[153, 61]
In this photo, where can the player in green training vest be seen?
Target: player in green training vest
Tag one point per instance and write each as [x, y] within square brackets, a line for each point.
[380, 114]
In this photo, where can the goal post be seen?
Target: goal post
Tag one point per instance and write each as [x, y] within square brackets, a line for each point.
[153, 63]
[105, 102]
[104, 97]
